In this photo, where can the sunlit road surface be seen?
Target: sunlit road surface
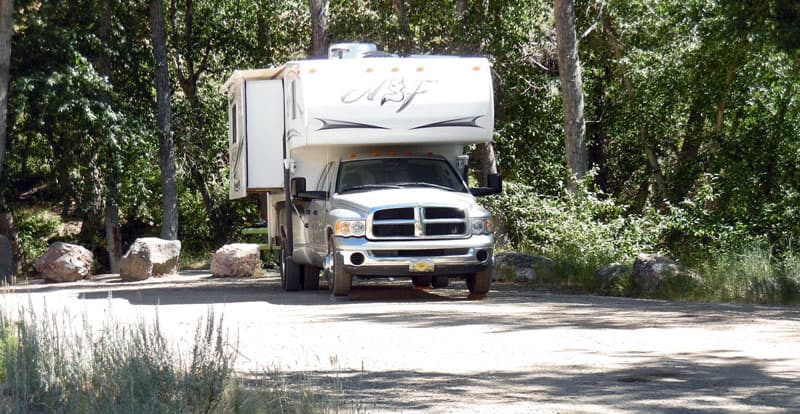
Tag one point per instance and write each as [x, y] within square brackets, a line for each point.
[394, 348]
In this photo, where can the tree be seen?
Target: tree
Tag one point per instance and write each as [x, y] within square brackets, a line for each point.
[169, 181]
[111, 210]
[319, 28]
[6, 30]
[569, 70]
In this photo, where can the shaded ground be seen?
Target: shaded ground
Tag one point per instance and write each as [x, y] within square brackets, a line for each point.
[395, 348]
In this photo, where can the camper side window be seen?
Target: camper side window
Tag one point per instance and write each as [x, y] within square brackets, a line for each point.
[233, 124]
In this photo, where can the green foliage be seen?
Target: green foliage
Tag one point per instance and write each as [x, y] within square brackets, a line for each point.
[579, 233]
[709, 85]
[35, 228]
[753, 274]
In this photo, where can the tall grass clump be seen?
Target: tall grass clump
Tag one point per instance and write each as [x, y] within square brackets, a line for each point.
[580, 233]
[753, 274]
[48, 365]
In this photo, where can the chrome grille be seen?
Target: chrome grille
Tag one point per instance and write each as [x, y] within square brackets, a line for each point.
[418, 223]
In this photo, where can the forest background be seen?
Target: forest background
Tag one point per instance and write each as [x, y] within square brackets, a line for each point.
[691, 108]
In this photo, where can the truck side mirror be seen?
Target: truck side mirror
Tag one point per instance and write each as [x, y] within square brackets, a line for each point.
[298, 189]
[495, 186]
[298, 185]
[495, 181]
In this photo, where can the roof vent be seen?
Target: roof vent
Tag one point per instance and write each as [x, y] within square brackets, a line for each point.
[351, 50]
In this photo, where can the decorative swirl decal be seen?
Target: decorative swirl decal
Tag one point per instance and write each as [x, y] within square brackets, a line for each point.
[468, 122]
[336, 124]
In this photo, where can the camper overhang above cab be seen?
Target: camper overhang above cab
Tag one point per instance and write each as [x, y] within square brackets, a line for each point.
[340, 103]
[380, 101]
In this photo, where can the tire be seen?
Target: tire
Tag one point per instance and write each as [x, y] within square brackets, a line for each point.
[339, 280]
[290, 272]
[421, 281]
[310, 277]
[440, 281]
[479, 283]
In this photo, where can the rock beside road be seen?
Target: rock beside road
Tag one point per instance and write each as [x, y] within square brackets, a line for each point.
[150, 256]
[523, 266]
[612, 280]
[6, 261]
[64, 262]
[659, 276]
[236, 260]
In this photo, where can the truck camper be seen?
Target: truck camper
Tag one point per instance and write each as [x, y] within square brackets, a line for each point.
[363, 158]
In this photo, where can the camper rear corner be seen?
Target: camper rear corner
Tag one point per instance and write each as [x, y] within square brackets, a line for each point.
[256, 129]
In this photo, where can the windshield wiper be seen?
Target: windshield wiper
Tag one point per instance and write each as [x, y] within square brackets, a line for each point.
[424, 184]
[370, 187]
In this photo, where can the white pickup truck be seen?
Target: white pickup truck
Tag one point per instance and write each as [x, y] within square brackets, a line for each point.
[363, 160]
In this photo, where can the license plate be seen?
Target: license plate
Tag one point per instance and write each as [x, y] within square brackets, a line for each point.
[421, 266]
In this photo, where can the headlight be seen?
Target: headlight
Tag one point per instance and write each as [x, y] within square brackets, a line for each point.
[482, 225]
[351, 228]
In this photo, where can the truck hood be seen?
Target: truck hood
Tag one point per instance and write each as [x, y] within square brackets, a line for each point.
[363, 201]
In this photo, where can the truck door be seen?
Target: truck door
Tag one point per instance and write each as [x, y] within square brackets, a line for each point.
[317, 213]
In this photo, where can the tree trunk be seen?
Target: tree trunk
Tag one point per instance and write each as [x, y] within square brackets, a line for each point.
[487, 163]
[644, 138]
[569, 70]
[169, 182]
[319, 28]
[461, 8]
[686, 169]
[189, 69]
[111, 210]
[597, 135]
[6, 31]
[263, 58]
[401, 10]
[8, 229]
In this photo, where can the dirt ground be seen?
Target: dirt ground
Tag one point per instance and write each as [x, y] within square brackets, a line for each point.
[393, 348]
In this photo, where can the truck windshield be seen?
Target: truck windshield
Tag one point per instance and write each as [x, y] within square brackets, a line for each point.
[397, 173]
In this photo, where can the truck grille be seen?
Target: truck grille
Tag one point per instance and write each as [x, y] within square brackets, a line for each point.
[418, 223]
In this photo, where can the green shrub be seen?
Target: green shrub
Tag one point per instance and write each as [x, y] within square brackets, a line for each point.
[580, 233]
[753, 274]
[35, 229]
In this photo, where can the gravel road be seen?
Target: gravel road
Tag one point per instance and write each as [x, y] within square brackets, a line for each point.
[394, 348]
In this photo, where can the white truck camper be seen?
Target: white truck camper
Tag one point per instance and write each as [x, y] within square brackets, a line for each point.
[363, 160]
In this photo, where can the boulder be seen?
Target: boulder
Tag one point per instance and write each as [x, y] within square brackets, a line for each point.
[523, 266]
[150, 256]
[658, 276]
[6, 261]
[613, 280]
[236, 260]
[64, 262]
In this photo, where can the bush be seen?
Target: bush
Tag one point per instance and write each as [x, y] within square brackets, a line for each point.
[580, 233]
[35, 229]
[753, 274]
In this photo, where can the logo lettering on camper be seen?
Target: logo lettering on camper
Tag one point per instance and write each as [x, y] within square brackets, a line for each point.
[389, 90]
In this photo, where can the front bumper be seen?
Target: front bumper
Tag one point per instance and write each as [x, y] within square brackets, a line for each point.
[396, 258]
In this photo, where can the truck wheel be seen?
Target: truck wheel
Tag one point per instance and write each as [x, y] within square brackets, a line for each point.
[421, 281]
[310, 277]
[479, 283]
[290, 272]
[339, 280]
[440, 281]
